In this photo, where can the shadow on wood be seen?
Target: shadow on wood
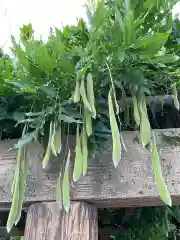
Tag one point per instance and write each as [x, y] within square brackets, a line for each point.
[47, 221]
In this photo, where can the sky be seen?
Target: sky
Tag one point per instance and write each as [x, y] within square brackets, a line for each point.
[42, 14]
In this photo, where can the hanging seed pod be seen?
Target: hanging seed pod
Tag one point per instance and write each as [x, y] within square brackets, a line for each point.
[16, 192]
[66, 185]
[22, 184]
[57, 139]
[84, 150]
[14, 206]
[126, 115]
[176, 101]
[90, 94]
[84, 97]
[47, 155]
[77, 92]
[145, 129]
[161, 185]
[115, 132]
[53, 149]
[78, 164]
[58, 191]
[88, 122]
[14, 180]
[136, 110]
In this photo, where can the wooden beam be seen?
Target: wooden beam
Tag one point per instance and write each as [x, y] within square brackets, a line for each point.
[131, 184]
[45, 221]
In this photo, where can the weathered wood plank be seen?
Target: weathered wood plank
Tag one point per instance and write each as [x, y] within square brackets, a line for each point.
[45, 221]
[131, 184]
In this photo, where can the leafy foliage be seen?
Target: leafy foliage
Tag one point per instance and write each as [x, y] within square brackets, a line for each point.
[142, 223]
[17, 238]
[79, 80]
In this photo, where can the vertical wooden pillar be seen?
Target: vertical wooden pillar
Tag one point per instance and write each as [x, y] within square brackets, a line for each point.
[45, 221]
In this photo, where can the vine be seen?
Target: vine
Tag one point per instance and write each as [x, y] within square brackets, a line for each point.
[68, 82]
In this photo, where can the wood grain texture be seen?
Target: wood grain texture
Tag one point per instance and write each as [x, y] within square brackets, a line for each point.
[45, 221]
[131, 184]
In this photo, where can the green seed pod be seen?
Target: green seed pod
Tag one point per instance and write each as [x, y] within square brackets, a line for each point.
[136, 110]
[22, 184]
[145, 129]
[14, 206]
[84, 97]
[58, 191]
[16, 174]
[77, 92]
[47, 155]
[126, 114]
[78, 164]
[66, 185]
[115, 132]
[161, 185]
[176, 101]
[88, 122]
[57, 139]
[84, 150]
[90, 94]
[53, 149]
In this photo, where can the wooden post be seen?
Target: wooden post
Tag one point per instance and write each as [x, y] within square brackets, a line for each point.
[45, 221]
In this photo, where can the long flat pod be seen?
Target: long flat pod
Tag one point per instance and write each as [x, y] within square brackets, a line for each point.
[90, 94]
[48, 150]
[15, 201]
[88, 122]
[66, 185]
[22, 183]
[84, 96]
[59, 189]
[161, 185]
[53, 149]
[76, 96]
[84, 150]
[14, 206]
[115, 132]
[136, 110]
[145, 129]
[175, 93]
[56, 139]
[78, 164]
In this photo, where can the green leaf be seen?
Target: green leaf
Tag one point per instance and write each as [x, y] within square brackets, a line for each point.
[48, 90]
[168, 58]
[68, 119]
[34, 114]
[26, 139]
[160, 183]
[99, 15]
[151, 43]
